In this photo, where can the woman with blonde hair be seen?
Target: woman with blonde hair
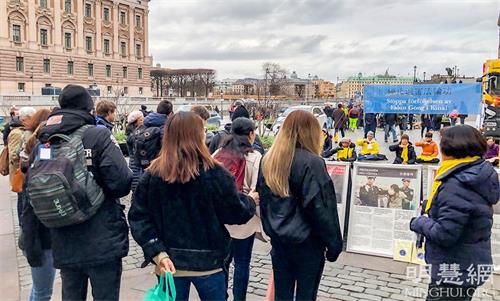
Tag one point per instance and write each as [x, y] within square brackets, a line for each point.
[180, 207]
[298, 208]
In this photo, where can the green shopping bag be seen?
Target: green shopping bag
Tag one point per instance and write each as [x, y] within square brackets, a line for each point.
[158, 294]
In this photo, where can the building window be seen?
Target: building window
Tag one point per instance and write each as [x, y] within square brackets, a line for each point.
[67, 6]
[16, 33]
[20, 87]
[67, 40]
[123, 18]
[88, 43]
[109, 89]
[108, 70]
[43, 37]
[124, 48]
[106, 46]
[106, 14]
[125, 90]
[138, 50]
[46, 66]
[138, 21]
[70, 68]
[139, 73]
[140, 90]
[90, 69]
[19, 64]
[88, 10]
[43, 3]
[125, 72]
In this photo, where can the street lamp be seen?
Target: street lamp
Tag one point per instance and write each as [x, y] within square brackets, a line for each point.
[32, 81]
[414, 74]
[424, 76]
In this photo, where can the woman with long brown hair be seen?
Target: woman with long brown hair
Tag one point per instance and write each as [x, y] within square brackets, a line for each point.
[180, 208]
[298, 208]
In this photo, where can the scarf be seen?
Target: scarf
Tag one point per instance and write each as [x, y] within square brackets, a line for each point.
[404, 154]
[446, 166]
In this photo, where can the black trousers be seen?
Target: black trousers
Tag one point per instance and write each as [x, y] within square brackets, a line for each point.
[297, 269]
[448, 292]
[104, 279]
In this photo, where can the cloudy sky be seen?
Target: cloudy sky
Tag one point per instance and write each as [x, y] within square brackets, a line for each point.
[328, 38]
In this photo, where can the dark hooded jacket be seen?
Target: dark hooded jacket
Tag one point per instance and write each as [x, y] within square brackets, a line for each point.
[155, 120]
[309, 212]
[218, 140]
[187, 220]
[102, 122]
[458, 227]
[104, 237]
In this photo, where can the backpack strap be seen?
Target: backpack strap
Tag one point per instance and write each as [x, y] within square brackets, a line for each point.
[78, 133]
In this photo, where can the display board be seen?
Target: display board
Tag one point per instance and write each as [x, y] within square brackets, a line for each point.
[384, 198]
[431, 173]
[339, 172]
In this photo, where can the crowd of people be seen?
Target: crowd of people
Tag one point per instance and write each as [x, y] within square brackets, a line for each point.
[198, 204]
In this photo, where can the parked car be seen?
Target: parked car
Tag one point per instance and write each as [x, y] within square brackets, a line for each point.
[316, 111]
[214, 119]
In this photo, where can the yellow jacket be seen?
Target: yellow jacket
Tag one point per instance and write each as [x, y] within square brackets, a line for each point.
[371, 148]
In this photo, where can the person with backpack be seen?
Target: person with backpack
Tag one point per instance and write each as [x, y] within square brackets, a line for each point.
[223, 135]
[239, 157]
[16, 141]
[135, 126]
[34, 240]
[105, 114]
[148, 142]
[180, 208]
[74, 184]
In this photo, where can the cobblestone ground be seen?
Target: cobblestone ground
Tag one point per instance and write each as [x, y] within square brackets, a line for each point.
[339, 282]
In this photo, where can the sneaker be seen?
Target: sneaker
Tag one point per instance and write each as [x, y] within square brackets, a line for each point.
[395, 140]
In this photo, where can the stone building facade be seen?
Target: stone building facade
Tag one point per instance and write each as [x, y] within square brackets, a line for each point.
[93, 43]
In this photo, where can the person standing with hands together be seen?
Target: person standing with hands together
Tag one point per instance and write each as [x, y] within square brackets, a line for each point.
[181, 206]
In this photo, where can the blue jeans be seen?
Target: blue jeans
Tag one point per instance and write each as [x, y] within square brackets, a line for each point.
[43, 279]
[387, 130]
[241, 252]
[329, 122]
[209, 288]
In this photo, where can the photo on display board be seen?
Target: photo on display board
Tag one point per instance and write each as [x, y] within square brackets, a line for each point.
[338, 174]
[386, 188]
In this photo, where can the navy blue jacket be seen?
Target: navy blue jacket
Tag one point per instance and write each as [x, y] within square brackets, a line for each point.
[101, 122]
[155, 120]
[458, 228]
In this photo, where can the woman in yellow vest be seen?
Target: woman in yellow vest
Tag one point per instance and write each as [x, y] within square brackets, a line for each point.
[370, 148]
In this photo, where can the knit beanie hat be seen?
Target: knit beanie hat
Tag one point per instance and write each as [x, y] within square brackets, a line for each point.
[76, 97]
[240, 111]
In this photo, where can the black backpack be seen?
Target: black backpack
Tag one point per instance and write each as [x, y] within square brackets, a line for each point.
[147, 145]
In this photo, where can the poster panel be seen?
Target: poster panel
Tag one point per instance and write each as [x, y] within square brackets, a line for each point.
[339, 173]
[384, 199]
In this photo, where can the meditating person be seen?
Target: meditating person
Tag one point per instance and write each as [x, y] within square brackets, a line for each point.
[346, 151]
[492, 152]
[405, 152]
[430, 150]
[370, 148]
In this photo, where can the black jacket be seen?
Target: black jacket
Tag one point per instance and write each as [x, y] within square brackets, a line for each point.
[104, 237]
[412, 156]
[14, 123]
[390, 119]
[187, 220]
[333, 151]
[458, 227]
[311, 209]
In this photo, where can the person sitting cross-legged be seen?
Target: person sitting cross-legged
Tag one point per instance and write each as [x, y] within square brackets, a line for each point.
[430, 150]
[346, 151]
[370, 148]
[405, 152]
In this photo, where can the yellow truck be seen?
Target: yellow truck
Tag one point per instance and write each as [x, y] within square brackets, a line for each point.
[491, 98]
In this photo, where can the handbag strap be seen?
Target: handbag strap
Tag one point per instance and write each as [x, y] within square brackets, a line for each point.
[171, 292]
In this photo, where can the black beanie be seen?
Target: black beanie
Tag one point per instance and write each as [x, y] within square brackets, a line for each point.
[76, 97]
[240, 111]
[242, 126]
